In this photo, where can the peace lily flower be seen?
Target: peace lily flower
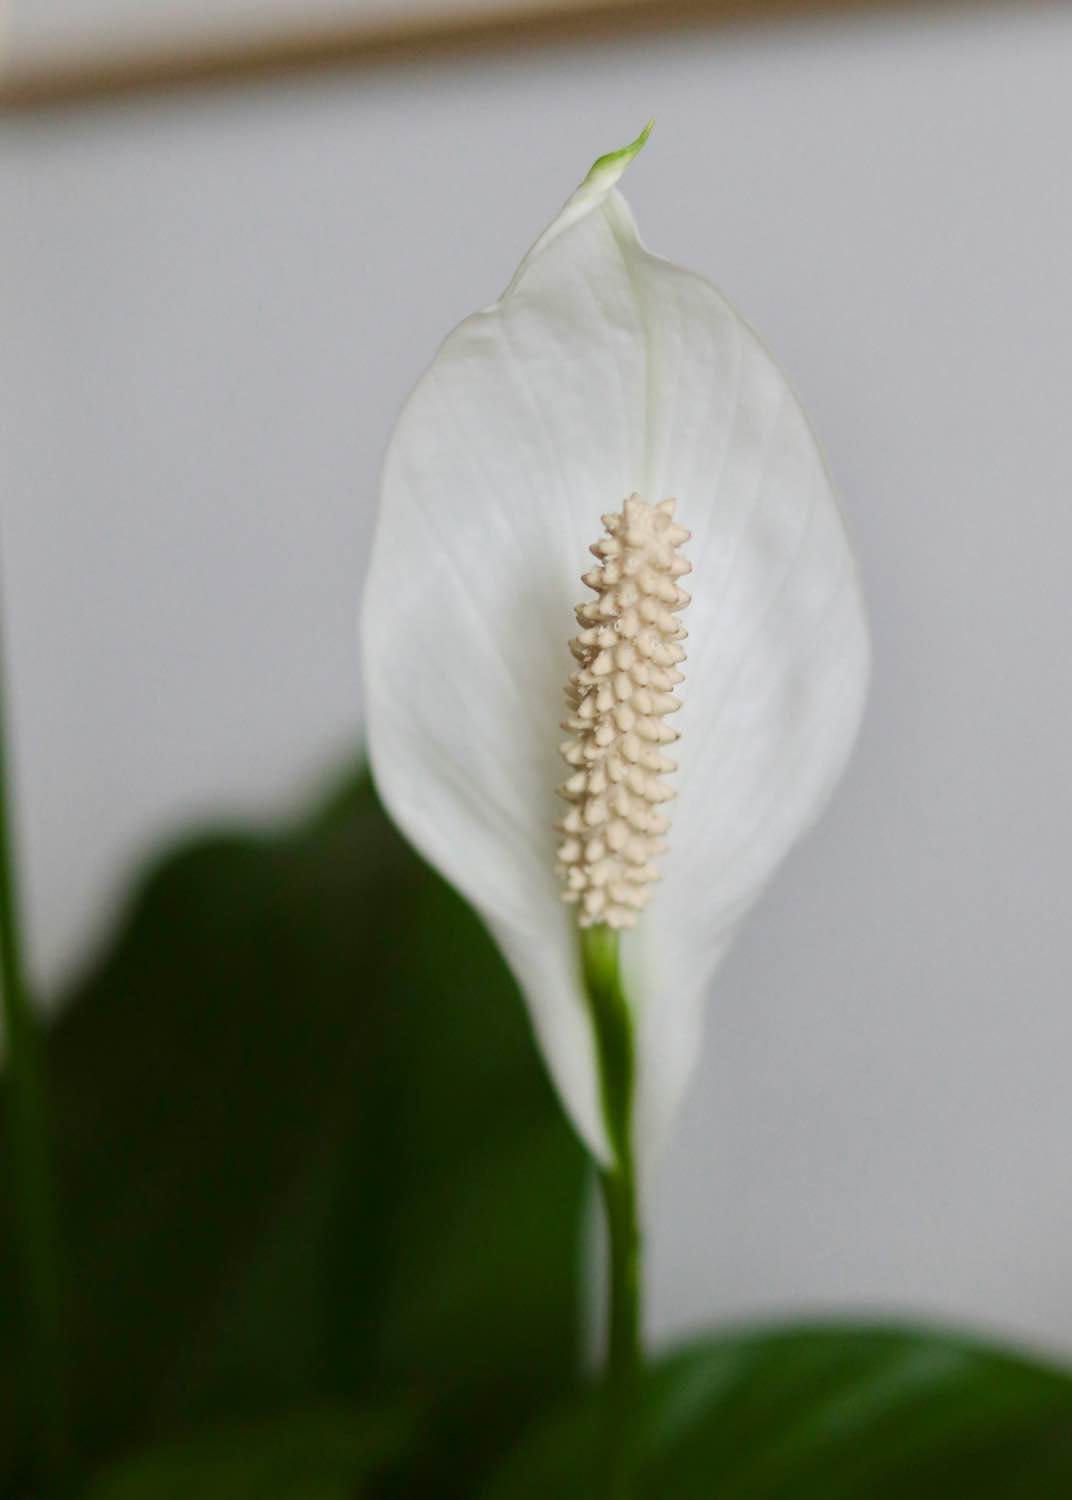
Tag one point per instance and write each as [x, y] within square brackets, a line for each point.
[608, 383]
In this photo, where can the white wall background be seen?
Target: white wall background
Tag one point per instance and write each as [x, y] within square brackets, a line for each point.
[212, 309]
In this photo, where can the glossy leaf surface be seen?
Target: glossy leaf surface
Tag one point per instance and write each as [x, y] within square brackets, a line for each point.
[824, 1413]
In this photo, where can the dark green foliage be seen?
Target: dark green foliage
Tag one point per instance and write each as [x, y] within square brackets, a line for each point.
[324, 1454]
[308, 1152]
[822, 1413]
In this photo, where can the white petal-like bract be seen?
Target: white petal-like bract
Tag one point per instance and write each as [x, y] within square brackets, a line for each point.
[603, 371]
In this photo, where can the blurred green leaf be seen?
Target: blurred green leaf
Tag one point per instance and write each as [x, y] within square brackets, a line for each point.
[316, 1455]
[823, 1413]
[308, 1151]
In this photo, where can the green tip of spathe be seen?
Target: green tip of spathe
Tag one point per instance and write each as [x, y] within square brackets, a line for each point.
[622, 158]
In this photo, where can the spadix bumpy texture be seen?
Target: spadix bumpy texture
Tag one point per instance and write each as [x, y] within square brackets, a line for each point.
[630, 652]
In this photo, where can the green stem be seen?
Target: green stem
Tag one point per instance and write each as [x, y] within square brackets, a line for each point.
[623, 1296]
[35, 1226]
[613, 1027]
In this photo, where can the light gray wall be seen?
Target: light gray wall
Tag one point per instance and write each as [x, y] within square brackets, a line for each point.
[212, 310]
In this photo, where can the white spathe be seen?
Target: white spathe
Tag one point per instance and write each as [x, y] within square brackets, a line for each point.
[604, 370]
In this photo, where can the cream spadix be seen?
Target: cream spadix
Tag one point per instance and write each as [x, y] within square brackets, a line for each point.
[604, 372]
[629, 649]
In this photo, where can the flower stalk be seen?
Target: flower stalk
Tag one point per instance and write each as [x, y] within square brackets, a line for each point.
[613, 1027]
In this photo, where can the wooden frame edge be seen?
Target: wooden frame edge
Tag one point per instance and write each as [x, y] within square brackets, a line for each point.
[363, 45]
